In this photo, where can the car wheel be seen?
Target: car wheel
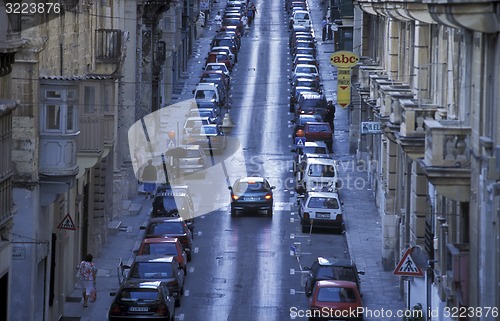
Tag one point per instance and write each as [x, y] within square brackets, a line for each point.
[177, 302]
[189, 256]
[185, 270]
[233, 212]
[270, 212]
[292, 108]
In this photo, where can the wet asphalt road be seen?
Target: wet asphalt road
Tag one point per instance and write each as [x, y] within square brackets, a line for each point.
[242, 268]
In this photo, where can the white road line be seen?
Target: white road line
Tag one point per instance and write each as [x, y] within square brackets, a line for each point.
[191, 269]
[196, 250]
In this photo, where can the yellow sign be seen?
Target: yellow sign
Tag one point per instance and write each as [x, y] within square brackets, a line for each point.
[344, 59]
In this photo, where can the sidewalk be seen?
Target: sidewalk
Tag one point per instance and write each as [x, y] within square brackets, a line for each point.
[363, 229]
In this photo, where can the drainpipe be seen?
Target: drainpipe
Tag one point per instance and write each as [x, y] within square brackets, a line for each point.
[408, 202]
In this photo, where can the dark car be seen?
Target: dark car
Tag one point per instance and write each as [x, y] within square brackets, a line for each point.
[317, 101]
[174, 204]
[331, 269]
[155, 268]
[252, 194]
[302, 119]
[170, 227]
[333, 300]
[142, 300]
[209, 137]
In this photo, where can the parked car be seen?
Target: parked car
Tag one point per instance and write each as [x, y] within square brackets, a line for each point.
[174, 204]
[317, 173]
[209, 137]
[302, 119]
[310, 148]
[170, 227]
[137, 299]
[331, 269]
[251, 194]
[300, 18]
[211, 113]
[306, 69]
[153, 268]
[194, 159]
[321, 210]
[218, 66]
[219, 57]
[319, 131]
[165, 246]
[333, 298]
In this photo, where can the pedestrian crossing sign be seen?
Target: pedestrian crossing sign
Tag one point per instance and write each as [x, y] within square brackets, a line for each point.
[407, 267]
[67, 223]
[300, 142]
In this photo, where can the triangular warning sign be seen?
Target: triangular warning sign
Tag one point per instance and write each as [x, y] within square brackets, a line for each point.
[407, 267]
[67, 223]
[171, 144]
[300, 143]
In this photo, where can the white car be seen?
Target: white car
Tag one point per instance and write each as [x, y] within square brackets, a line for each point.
[227, 51]
[306, 69]
[321, 210]
[317, 173]
[313, 148]
[218, 66]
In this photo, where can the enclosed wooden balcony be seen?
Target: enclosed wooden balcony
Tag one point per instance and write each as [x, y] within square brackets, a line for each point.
[10, 39]
[447, 157]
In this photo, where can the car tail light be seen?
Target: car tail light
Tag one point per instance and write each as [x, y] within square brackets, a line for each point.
[161, 310]
[306, 215]
[268, 196]
[115, 309]
[339, 217]
[173, 284]
[234, 197]
[200, 161]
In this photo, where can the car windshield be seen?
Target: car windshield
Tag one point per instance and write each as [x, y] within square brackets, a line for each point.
[314, 102]
[204, 130]
[205, 94]
[249, 187]
[165, 228]
[334, 294]
[192, 153]
[168, 203]
[307, 83]
[216, 67]
[314, 150]
[151, 270]
[319, 128]
[161, 248]
[201, 113]
[320, 170]
[301, 15]
[306, 69]
[323, 202]
[139, 295]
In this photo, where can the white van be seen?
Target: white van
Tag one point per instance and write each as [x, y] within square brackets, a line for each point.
[317, 174]
[301, 18]
[209, 92]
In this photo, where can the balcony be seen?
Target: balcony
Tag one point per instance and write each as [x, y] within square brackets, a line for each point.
[447, 158]
[457, 275]
[91, 134]
[10, 39]
[6, 213]
[402, 10]
[481, 16]
[396, 97]
[108, 44]
[385, 94]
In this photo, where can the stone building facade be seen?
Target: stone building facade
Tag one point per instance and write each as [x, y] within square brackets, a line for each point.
[429, 73]
[71, 84]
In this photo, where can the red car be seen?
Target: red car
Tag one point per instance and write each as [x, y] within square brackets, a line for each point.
[165, 246]
[319, 131]
[335, 300]
[219, 57]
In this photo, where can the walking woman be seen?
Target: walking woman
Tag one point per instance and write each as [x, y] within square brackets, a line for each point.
[87, 275]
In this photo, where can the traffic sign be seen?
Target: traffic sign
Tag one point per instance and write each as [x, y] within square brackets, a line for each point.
[300, 142]
[371, 127]
[67, 223]
[407, 267]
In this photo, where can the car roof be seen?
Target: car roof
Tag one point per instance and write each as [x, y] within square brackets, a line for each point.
[305, 65]
[322, 161]
[165, 219]
[154, 259]
[315, 144]
[160, 240]
[331, 261]
[331, 194]
[336, 283]
[251, 178]
[141, 284]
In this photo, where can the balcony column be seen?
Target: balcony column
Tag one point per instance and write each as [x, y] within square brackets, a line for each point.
[418, 204]
[421, 61]
[393, 49]
[389, 219]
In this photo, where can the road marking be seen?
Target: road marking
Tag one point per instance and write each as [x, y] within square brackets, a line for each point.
[200, 233]
[292, 271]
[289, 135]
[292, 220]
[180, 316]
[292, 213]
[191, 269]
[196, 250]
[186, 292]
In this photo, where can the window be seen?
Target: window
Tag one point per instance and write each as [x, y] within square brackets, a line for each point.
[53, 116]
[89, 100]
[59, 113]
